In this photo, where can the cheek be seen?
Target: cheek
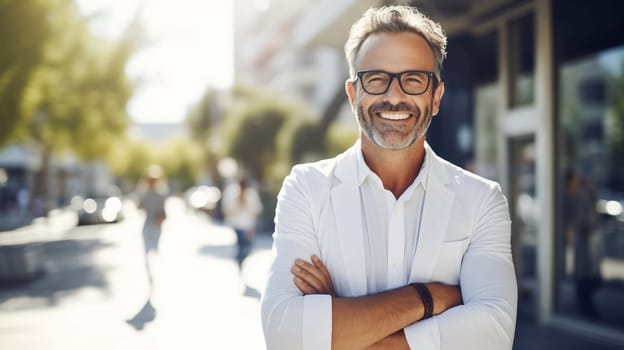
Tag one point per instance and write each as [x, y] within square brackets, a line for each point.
[427, 111]
[362, 102]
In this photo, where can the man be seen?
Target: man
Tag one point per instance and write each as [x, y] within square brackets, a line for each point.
[371, 247]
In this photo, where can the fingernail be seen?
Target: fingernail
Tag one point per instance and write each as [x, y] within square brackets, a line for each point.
[314, 257]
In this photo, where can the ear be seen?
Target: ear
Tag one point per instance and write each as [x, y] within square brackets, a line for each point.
[350, 89]
[437, 98]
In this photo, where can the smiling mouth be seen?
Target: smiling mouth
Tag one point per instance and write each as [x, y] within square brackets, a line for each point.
[393, 115]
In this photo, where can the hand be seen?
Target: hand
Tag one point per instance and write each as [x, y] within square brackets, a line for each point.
[312, 278]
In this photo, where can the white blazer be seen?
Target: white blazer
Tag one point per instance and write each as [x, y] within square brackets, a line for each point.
[464, 239]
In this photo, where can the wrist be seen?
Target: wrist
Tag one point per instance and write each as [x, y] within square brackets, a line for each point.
[425, 297]
[445, 296]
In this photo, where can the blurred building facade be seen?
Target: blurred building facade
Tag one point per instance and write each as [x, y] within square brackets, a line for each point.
[534, 99]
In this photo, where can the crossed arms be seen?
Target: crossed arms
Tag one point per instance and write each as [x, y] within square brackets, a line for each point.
[296, 316]
[374, 321]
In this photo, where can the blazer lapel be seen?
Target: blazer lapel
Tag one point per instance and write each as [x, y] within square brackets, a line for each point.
[345, 198]
[435, 217]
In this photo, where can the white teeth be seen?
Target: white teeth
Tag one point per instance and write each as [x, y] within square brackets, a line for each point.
[394, 116]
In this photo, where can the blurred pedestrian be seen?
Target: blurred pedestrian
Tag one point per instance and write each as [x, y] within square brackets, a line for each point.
[581, 223]
[241, 208]
[152, 201]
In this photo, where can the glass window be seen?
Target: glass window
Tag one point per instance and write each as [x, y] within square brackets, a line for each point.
[522, 61]
[486, 105]
[590, 239]
[524, 209]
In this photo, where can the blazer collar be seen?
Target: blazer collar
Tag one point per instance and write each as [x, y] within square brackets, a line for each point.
[345, 200]
[436, 214]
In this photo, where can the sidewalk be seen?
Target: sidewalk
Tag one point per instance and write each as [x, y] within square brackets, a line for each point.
[20, 255]
[41, 228]
[531, 336]
[12, 221]
[94, 290]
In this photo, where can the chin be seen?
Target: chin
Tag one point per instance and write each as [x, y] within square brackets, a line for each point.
[393, 146]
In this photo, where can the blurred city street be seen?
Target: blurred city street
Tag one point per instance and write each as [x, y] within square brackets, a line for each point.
[94, 286]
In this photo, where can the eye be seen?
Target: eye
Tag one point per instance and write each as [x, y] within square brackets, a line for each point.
[415, 79]
[375, 77]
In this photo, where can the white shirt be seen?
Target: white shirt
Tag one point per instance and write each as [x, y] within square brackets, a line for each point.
[241, 215]
[461, 237]
[390, 228]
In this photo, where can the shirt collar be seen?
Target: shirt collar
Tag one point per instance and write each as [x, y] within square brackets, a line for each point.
[363, 171]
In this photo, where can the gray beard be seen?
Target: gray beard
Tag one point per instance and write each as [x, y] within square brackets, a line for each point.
[377, 134]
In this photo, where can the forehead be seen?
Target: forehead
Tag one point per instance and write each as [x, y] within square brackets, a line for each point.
[395, 52]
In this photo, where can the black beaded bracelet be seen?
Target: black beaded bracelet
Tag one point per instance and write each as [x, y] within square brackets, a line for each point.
[426, 298]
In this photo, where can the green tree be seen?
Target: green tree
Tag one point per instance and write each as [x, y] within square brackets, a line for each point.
[339, 138]
[132, 158]
[60, 85]
[80, 92]
[251, 132]
[202, 122]
[203, 116]
[259, 131]
[180, 159]
[24, 32]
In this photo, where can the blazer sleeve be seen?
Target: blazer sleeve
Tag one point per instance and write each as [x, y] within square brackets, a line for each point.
[289, 319]
[487, 318]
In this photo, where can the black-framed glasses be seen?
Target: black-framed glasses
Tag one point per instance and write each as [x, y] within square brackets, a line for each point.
[412, 82]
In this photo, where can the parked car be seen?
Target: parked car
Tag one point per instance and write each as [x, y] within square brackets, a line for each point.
[97, 209]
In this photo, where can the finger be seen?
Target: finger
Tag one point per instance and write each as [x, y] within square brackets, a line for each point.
[329, 285]
[326, 275]
[307, 277]
[304, 287]
[311, 269]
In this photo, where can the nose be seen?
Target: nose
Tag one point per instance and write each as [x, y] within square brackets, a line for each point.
[395, 94]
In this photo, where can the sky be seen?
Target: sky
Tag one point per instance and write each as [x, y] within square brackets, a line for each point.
[190, 48]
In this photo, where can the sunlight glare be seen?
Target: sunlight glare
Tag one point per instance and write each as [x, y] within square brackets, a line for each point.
[190, 47]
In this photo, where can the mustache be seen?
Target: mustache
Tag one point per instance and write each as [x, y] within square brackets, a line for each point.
[389, 107]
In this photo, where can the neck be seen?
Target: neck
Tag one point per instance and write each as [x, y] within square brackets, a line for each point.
[396, 169]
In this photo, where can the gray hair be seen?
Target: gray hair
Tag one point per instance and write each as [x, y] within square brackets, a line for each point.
[395, 19]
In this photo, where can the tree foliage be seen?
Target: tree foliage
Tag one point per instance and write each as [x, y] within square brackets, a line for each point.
[259, 131]
[340, 137]
[24, 33]
[130, 158]
[66, 88]
[202, 117]
[181, 159]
